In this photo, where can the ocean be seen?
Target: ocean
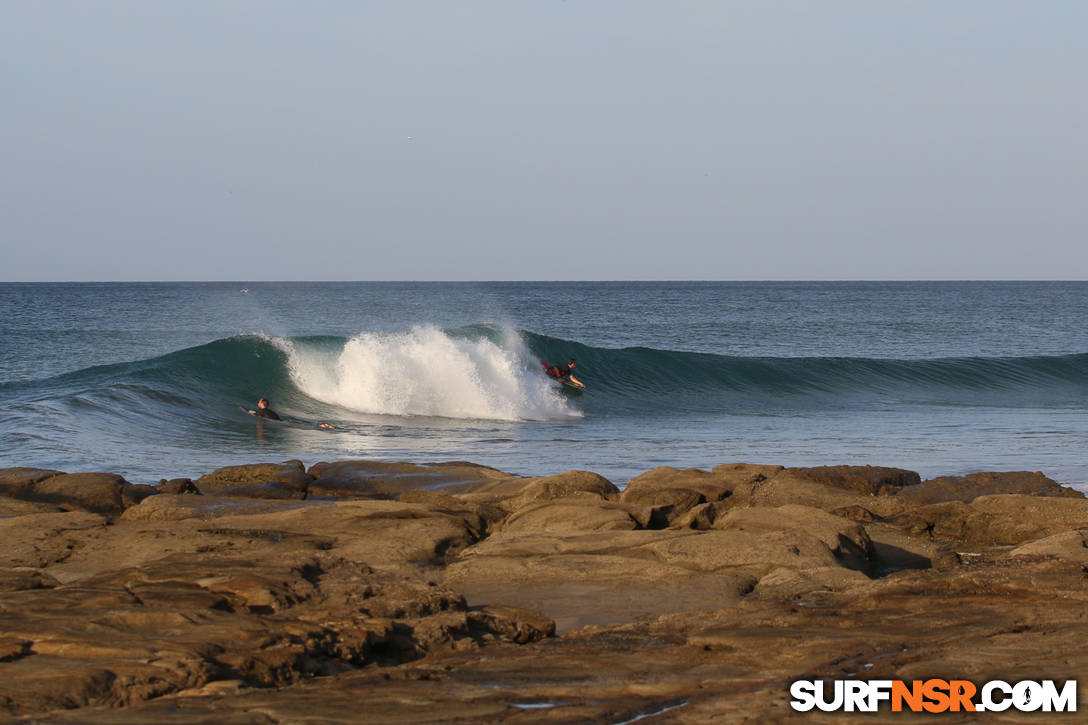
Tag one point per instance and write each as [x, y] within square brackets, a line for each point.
[153, 380]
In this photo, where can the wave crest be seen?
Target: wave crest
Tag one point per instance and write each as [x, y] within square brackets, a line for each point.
[427, 372]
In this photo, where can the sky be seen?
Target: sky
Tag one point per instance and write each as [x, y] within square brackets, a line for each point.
[543, 140]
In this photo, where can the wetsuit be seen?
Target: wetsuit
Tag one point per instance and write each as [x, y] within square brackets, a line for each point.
[267, 413]
[557, 371]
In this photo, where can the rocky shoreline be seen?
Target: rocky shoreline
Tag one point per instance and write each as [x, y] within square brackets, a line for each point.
[393, 592]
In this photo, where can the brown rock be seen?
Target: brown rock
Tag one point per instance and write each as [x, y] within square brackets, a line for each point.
[848, 541]
[1001, 520]
[735, 474]
[376, 479]
[563, 485]
[480, 517]
[706, 484]
[1068, 545]
[679, 492]
[190, 609]
[177, 486]
[789, 583]
[589, 578]
[40, 540]
[102, 493]
[855, 513]
[16, 479]
[20, 578]
[871, 480]
[701, 517]
[786, 488]
[383, 534]
[573, 514]
[177, 624]
[178, 507]
[678, 500]
[18, 507]
[756, 551]
[258, 480]
[967, 488]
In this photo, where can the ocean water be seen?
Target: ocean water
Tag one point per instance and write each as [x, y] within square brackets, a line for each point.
[152, 380]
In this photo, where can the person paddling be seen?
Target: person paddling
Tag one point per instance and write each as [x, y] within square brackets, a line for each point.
[263, 411]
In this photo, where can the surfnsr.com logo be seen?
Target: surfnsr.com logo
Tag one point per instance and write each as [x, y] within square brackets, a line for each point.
[933, 695]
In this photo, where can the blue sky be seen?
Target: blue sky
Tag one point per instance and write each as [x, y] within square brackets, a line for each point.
[471, 140]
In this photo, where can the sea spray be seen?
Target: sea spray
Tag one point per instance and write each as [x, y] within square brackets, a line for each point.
[427, 372]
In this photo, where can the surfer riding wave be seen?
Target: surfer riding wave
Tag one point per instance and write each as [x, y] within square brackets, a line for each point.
[563, 373]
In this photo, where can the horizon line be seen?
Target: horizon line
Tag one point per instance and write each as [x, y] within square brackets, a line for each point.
[874, 280]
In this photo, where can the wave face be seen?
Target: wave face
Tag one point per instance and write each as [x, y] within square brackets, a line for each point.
[671, 379]
[485, 373]
[488, 372]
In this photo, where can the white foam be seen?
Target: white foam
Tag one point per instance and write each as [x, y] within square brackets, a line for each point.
[427, 372]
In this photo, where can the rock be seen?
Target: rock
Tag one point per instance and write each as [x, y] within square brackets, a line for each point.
[179, 507]
[588, 578]
[870, 480]
[375, 479]
[894, 550]
[1068, 545]
[679, 492]
[855, 513]
[21, 578]
[673, 503]
[995, 520]
[178, 485]
[848, 541]
[510, 494]
[178, 624]
[573, 514]
[967, 488]
[736, 474]
[442, 605]
[787, 488]
[757, 552]
[16, 479]
[383, 534]
[563, 485]
[40, 540]
[742, 484]
[258, 480]
[788, 583]
[701, 517]
[134, 493]
[515, 625]
[712, 485]
[480, 517]
[101, 493]
[17, 507]
[1047, 514]
[296, 490]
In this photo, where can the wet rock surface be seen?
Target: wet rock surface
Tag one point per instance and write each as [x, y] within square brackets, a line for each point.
[453, 592]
